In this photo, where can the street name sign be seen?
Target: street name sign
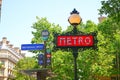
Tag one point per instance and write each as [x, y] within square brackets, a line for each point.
[32, 46]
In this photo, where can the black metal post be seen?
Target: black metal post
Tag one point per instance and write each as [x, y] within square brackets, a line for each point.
[44, 77]
[44, 54]
[41, 75]
[75, 55]
[75, 65]
[38, 76]
[75, 20]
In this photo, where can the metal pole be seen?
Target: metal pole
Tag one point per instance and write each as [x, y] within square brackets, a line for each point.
[75, 55]
[44, 54]
[118, 59]
[41, 75]
[44, 77]
[38, 76]
[117, 65]
[75, 68]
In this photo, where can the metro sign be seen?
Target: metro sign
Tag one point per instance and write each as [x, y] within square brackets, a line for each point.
[75, 41]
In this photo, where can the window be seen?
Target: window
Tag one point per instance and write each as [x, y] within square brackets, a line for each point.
[3, 62]
[1, 72]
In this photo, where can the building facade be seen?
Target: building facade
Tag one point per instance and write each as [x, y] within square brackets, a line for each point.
[9, 56]
[101, 19]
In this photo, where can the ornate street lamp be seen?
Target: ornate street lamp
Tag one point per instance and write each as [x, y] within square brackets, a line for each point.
[75, 20]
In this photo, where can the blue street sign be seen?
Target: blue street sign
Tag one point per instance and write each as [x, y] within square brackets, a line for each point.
[41, 59]
[48, 60]
[40, 56]
[32, 46]
[40, 62]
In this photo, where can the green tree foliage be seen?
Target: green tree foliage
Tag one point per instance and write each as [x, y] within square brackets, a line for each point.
[117, 51]
[111, 33]
[91, 63]
[39, 26]
[112, 9]
[24, 64]
[90, 26]
[98, 62]
[62, 65]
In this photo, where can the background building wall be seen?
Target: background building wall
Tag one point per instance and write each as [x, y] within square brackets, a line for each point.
[9, 56]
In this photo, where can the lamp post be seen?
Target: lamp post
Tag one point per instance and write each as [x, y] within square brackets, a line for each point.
[75, 20]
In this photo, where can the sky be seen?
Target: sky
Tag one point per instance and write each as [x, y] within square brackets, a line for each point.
[17, 16]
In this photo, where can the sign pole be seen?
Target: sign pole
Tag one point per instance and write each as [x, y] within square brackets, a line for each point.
[75, 55]
[44, 54]
[45, 35]
[38, 75]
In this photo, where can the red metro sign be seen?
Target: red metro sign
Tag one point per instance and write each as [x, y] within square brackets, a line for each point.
[75, 41]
